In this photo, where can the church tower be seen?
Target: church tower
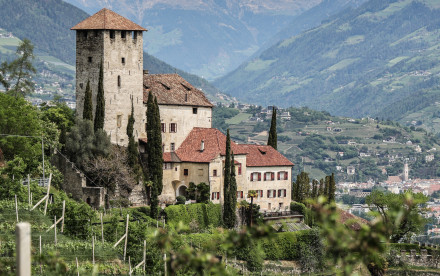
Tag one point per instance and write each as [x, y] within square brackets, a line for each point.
[405, 172]
[117, 43]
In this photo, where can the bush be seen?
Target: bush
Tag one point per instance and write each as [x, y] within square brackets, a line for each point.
[298, 207]
[180, 200]
[202, 214]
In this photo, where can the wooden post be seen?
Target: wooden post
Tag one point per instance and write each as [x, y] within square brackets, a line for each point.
[41, 267]
[93, 250]
[77, 265]
[31, 200]
[145, 254]
[126, 237]
[102, 230]
[23, 247]
[129, 266]
[165, 263]
[62, 223]
[16, 207]
[47, 194]
[29, 191]
[55, 223]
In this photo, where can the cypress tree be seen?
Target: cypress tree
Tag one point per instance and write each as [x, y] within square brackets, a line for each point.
[227, 183]
[100, 102]
[132, 145]
[326, 186]
[88, 108]
[304, 187]
[154, 204]
[315, 184]
[158, 162]
[272, 140]
[332, 188]
[321, 187]
[232, 194]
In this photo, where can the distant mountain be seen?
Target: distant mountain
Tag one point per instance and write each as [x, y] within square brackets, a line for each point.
[47, 24]
[374, 60]
[204, 37]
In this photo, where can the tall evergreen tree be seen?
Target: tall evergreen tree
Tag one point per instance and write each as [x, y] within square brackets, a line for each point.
[273, 140]
[232, 194]
[88, 107]
[321, 187]
[315, 184]
[132, 145]
[154, 204]
[158, 163]
[100, 102]
[326, 186]
[332, 188]
[305, 187]
[226, 184]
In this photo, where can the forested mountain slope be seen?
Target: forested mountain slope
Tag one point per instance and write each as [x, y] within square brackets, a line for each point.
[365, 61]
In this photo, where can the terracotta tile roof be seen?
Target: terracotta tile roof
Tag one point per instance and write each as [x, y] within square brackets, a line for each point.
[170, 157]
[106, 19]
[351, 220]
[214, 143]
[172, 89]
[263, 156]
[394, 178]
[143, 140]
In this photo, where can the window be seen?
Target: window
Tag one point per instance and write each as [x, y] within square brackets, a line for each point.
[214, 173]
[185, 172]
[172, 147]
[239, 194]
[260, 193]
[164, 127]
[215, 195]
[123, 34]
[239, 169]
[119, 81]
[89, 59]
[85, 34]
[112, 34]
[282, 193]
[123, 60]
[119, 120]
[134, 35]
[269, 176]
[194, 110]
[167, 166]
[283, 175]
[256, 176]
[173, 127]
[271, 193]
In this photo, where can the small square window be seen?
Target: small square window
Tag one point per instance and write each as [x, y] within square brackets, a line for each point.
[89, 59]
[123, 60]
[194, 110]
[123, 34]
[112, 34]
[185, 172]
[173, 127]
[214, 173]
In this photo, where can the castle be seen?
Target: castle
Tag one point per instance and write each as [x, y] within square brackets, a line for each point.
[193, 151]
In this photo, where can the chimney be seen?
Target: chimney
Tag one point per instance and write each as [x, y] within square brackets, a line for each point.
[202, 146]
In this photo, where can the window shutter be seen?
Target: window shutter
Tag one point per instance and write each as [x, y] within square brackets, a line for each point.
[286, 175]
[241, 194]
[272, 176]
[212, 196]
[264, 176]
[261, 193]
[268, 193]
[279, 175]
[218, 195]
[285, 193]
[252, 176]
[279, 193]
[259, 176]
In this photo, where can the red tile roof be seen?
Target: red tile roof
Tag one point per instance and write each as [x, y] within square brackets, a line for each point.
[170, 157]
[172, 89]
[351, 220]
[106, 19]
[263, 156]
[215, 144]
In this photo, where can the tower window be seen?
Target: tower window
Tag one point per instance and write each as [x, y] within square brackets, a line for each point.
[134, 35]
[123, 60]
[89, 59]
[123, 34]
[185, 171]
[112, 34]
[85, 34]
[163, 126]
[172, 147]
[119, 81]
[194, 110]
[173, 127]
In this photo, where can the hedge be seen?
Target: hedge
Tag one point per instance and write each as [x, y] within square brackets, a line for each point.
[204, 215]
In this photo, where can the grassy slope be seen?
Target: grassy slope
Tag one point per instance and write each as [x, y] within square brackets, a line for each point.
[357, 63]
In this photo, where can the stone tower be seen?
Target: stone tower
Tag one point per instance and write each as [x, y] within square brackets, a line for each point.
[405, 172]
[116, 42]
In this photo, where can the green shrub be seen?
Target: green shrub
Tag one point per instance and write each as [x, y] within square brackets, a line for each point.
[202, 214]
[180, 200]
[298, 207]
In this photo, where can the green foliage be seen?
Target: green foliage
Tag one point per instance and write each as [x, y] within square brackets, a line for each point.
[100, 102]
[228, 212]
[301, 187]
[154, 202]
[132, 150]
[191, 191]
[205, 215]
[388, 205]
[272, 140]
[202, 193]
[220, 114]
[16, 76]
[88, 105]
[298, 207]
[180, 200]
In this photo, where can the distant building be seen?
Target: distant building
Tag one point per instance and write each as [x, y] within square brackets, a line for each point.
[351, 170]
[429, 158]
[359, 192]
